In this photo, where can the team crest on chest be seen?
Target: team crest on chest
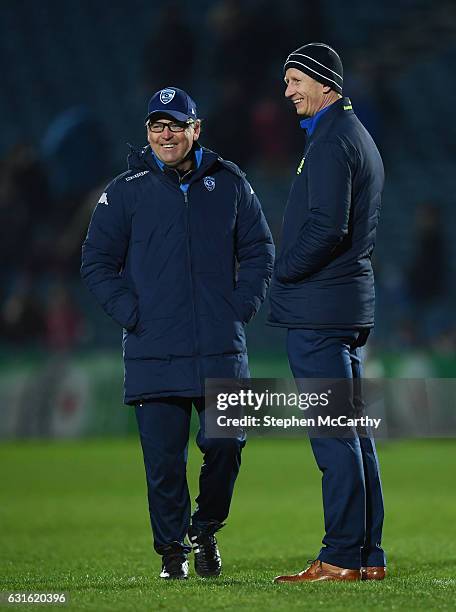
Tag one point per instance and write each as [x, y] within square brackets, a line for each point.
[166, 95]
[209, 183]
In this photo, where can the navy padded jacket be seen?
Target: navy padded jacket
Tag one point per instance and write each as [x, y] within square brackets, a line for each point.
[182, 270]
[323, 276]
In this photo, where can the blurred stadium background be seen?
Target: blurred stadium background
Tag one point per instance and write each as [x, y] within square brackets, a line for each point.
[76, 79]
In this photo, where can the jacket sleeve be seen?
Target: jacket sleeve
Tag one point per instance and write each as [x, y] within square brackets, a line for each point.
[329, 197]
[254, 249]
[103, 258]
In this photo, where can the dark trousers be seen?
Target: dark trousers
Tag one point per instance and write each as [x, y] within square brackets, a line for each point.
[164, 427]
[351, 486]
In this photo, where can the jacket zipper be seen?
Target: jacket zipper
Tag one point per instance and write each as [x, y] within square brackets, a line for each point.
[192, 289]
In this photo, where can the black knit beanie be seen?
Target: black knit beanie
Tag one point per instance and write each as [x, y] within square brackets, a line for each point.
[320, 62]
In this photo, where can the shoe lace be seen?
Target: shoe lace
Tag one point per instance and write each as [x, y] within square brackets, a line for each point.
[312, 561]
[207, 551]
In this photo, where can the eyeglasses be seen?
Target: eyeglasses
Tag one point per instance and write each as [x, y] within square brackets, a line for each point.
[157, 126]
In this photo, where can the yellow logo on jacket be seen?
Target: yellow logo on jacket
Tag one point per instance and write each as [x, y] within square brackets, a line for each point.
[298, 171]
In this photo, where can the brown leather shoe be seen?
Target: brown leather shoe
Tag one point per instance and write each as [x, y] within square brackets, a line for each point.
[321, 571]
[373, 573]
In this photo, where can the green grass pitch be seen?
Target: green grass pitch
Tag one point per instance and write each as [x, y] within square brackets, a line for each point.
[73, 518]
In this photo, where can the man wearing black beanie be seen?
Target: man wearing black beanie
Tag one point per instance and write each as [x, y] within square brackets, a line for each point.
[323, 293]
[320, 62]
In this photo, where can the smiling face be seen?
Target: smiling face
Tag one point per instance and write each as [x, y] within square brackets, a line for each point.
[173, 147]
[307, 95]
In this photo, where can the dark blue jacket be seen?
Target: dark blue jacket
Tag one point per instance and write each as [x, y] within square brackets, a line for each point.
[323, 277]
[182, 268]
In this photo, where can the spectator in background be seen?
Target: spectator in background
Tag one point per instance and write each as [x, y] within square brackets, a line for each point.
[360, 83]
[428, 275]
[25, 206]
[169, 53]
[22, 314]
[246, 39]
[272, 130]
[78, 157]
[229, 121]
[303, 19]
[232, 43]
[77, 153]
[63, 320]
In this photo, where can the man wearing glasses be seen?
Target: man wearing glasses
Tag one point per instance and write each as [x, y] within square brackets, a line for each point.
[179, 254]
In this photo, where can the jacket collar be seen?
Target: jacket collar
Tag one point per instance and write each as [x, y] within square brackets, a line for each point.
[144, 159]
[310, 123]
[197, 151]
[326, 115]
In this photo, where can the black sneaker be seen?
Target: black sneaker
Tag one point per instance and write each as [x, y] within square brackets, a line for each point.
[207, 556]
[174, 563]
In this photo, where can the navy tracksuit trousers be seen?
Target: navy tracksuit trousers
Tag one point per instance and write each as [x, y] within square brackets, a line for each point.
[352, 491]
[164, 427]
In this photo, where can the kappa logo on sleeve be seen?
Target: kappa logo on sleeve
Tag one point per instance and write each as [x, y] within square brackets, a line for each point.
[209, 183]
[104, 199]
